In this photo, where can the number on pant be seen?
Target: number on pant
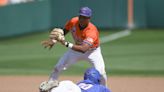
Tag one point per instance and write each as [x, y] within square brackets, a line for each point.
[85, 86]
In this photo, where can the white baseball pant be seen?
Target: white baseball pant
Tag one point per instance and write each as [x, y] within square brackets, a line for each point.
[66, 86]
[71, 57]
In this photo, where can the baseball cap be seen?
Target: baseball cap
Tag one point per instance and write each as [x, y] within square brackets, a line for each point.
[85, 11]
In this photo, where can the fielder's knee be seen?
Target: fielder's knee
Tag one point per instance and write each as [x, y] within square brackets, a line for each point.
[56, 69]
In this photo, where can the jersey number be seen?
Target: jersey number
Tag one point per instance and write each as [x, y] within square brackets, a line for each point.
[85, 86]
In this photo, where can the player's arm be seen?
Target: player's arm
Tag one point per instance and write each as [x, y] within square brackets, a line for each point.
[80, 48]
[68, 26]
[107, 90]
[65, 31]
[84, 47]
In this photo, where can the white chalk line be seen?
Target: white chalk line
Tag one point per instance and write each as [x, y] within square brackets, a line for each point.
[115, 36]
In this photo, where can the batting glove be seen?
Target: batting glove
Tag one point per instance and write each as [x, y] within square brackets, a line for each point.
[48, 85]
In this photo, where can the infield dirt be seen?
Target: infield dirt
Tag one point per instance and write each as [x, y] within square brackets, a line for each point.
[116, 83]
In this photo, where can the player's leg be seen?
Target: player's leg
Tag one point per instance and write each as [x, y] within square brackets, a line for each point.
[97, 61]
[66, 86]
[69, 58]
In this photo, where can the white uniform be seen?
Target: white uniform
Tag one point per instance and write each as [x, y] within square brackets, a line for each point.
[66, 86]
[71, 57]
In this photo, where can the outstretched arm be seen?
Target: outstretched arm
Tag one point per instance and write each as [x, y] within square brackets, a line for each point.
[80, 48]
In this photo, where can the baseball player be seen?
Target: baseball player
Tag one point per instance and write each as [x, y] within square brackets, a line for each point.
[91, 83]
[86, 44]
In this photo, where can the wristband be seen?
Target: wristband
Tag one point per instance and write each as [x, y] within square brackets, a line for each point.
[69, 45]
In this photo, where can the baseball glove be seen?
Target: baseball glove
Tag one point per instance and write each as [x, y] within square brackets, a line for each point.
[57, 34]
[48, 43]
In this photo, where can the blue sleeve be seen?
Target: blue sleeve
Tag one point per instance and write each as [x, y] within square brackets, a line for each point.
[106, 90]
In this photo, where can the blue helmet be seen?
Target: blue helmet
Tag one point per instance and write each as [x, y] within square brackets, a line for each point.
[93, 75]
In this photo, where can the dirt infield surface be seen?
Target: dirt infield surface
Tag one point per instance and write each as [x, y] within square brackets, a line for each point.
[117, 84]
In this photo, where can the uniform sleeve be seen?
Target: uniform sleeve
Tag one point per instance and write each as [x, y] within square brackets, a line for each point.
[106, 90]
[69, 25]
[90, 38]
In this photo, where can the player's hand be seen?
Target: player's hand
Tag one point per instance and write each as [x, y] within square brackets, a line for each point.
[62, 42]
[48, 43]
[57, 34]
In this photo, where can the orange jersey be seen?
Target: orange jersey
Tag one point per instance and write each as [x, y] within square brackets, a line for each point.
[89, 35]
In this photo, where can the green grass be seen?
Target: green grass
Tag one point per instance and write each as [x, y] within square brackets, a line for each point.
[141, 53]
